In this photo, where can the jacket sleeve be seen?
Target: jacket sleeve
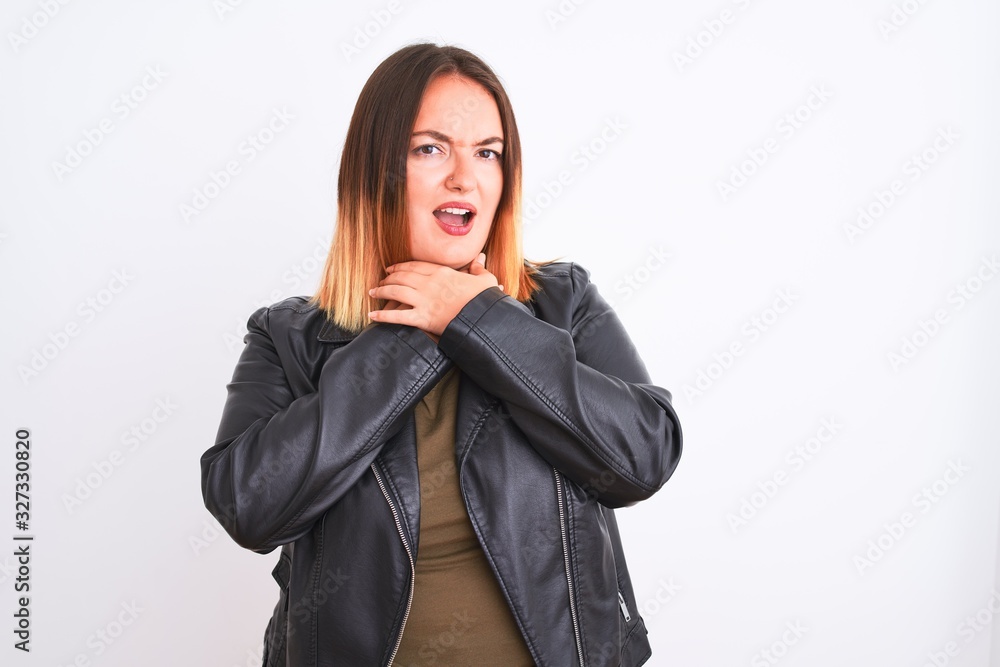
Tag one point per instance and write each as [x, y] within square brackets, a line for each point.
[583, 398]
[281, 461]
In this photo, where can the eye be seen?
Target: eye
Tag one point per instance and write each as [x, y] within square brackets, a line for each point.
[496, 155]
[420, 150]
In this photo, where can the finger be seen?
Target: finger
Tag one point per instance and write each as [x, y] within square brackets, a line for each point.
[390, 305]
[401, 293]
[414, 265]
[407, 278]
[408, 316]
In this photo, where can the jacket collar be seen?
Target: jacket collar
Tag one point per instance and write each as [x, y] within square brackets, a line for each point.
[331, 333]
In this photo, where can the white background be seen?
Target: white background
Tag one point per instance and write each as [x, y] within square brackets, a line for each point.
[713, 592]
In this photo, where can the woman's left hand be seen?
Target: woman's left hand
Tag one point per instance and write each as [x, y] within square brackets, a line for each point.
[434, 293]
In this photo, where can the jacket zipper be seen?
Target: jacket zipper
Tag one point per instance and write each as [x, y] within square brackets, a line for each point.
[569, 577]
[409, 554]
[621, 602]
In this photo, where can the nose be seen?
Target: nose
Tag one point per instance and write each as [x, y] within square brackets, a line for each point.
[462, 177]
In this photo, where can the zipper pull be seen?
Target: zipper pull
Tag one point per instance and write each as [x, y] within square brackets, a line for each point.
[621, 603]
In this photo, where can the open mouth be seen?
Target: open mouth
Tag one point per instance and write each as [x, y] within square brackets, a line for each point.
[454, 217]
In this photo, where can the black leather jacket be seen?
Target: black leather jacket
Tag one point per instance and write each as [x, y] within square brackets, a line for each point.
[557, 423]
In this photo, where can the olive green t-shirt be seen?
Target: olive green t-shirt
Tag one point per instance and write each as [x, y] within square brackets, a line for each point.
[458, 615]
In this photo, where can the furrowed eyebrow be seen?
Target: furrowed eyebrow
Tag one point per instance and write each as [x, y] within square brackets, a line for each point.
[440, 136]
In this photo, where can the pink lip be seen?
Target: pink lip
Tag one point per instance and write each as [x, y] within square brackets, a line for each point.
[457, 230]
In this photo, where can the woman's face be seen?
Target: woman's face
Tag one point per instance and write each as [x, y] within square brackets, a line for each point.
[453, 163]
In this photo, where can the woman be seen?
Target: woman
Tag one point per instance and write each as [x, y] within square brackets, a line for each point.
[437, 438]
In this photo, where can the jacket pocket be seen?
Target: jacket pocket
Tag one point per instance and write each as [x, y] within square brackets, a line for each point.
[635, 648]
[626, 614]
[276, 630]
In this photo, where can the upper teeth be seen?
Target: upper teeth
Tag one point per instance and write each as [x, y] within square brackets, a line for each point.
[456, 211]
